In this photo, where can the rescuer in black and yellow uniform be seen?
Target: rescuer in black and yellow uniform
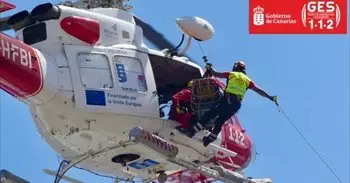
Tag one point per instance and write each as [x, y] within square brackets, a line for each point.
[236, 86]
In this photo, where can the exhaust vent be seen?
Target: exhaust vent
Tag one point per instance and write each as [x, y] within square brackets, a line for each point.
[45, 12]
[20, 20]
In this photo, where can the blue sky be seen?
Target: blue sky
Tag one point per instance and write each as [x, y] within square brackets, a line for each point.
[309, 74]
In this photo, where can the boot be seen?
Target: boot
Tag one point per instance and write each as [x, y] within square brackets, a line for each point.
[190, 132]
[209, 139]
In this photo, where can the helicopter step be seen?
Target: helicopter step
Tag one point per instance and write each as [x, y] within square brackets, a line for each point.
[154, 142]
[179, 136]
[180, 141]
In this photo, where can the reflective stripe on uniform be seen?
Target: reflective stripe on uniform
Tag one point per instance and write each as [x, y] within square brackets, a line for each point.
[230, 87]
[198, 127]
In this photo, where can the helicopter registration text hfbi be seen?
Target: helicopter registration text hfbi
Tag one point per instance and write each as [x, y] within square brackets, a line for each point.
[17, 54]
[17, 57]
[298, 17]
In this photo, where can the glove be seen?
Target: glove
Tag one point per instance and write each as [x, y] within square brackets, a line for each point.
[208, 66]
[179, 110]
[209, 70]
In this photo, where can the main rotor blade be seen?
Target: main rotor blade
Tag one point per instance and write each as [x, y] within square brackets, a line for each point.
[156, 37]
[3, 24]
[153, 35]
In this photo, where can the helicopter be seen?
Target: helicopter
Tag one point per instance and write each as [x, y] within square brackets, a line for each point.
[96, 93]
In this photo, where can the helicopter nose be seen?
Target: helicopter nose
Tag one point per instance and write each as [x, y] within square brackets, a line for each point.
[20, 69]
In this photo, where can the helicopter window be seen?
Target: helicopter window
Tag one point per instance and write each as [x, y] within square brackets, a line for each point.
[130, 74]
[95, 71]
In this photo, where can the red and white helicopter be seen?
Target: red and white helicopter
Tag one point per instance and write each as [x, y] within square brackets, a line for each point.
[96, 92]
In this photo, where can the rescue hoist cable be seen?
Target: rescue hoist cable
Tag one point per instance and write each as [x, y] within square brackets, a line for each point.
[309, 144]
[200, 47]
[205, 58]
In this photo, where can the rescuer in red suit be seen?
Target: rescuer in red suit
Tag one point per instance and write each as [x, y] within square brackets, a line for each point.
[181, 110]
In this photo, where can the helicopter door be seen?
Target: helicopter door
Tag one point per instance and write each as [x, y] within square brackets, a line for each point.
[113, 80]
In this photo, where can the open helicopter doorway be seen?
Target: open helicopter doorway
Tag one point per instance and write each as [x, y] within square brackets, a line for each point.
[172, 75]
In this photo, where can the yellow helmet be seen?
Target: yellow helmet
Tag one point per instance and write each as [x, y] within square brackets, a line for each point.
[189, 84]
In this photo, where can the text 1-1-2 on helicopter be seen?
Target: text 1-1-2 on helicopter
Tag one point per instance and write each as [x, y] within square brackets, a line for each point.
[96, 91]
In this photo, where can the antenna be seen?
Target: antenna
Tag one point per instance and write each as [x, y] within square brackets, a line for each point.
[88, 4]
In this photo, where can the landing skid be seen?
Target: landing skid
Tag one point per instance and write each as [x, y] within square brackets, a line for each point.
[66, 165]
[66, 178]
[170, 151]
[218, 173]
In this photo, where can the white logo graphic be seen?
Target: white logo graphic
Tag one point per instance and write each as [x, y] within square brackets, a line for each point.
[320, 15]
[258, 16]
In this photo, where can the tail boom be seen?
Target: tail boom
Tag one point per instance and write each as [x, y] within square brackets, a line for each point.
[20, 68]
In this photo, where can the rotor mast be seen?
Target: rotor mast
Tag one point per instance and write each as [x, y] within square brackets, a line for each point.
[88, 4]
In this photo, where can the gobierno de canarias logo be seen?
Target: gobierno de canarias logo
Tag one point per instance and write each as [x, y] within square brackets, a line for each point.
[261, 18]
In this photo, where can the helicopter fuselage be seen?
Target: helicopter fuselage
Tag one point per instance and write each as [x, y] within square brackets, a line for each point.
[88, 79]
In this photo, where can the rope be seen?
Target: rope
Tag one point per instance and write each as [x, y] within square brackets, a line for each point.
[200, 47]
[310, 145]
